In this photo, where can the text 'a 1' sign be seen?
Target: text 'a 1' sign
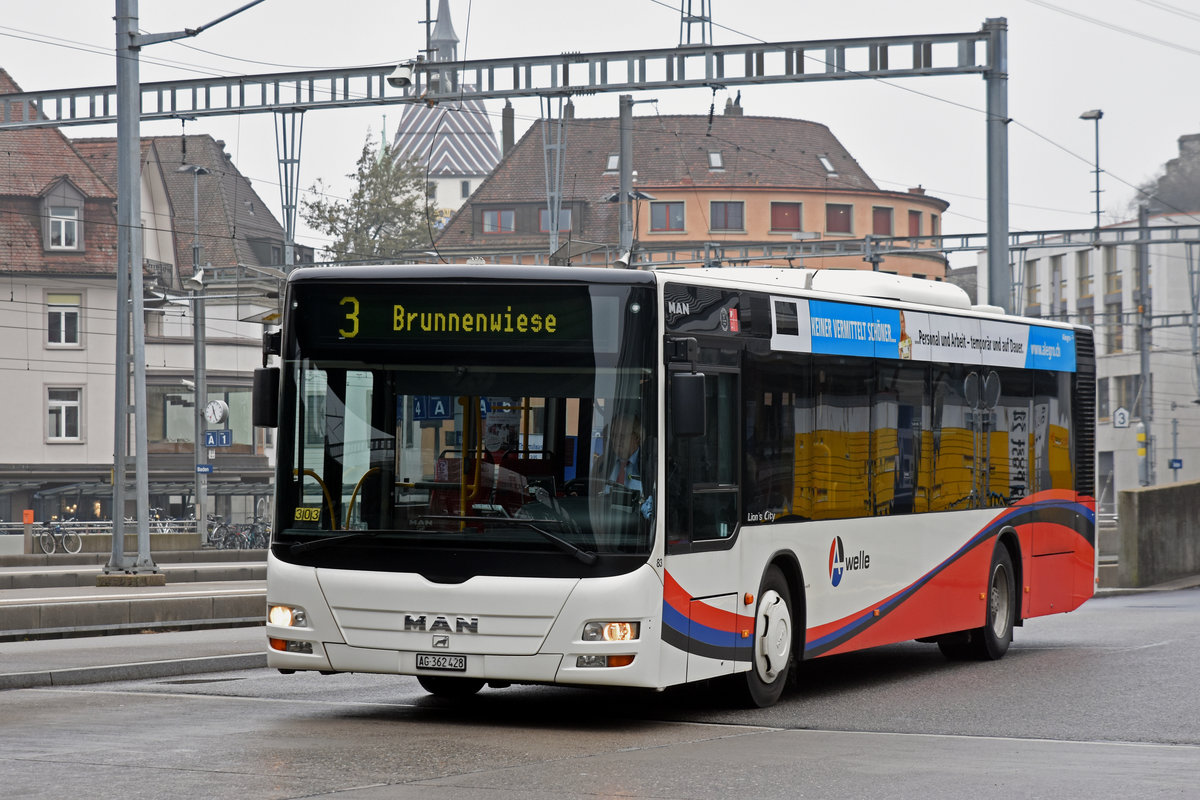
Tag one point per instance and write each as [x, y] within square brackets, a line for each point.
[218, 438]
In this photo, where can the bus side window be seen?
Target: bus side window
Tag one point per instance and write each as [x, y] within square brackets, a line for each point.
[702, 483]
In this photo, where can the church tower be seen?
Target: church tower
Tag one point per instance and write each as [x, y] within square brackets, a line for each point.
[454, 139]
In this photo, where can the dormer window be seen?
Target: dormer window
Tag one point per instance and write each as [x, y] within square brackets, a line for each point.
[62, 215]
[715, 160]
[64, 228]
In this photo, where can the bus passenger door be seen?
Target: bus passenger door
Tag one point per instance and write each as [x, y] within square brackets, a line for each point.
[702, 515]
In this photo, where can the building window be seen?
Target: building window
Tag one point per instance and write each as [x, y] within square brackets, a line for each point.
[62, 319]
[63, 409]
[564, 220]
[914, 223]
[666, 216]
[935, 228]
[839, 218]
[64, 228]
[1033, 286]
[1126, 394]
[1112, 276]
[785, 217]
[499, 221]
[464, 189]
[1083, 273]
[1058, 286]
[1084, 316]
[613, 163]
[881, 221]
[715, 160]
[1116, 331]
[727, 216]
[828, 165]
[1103, 408]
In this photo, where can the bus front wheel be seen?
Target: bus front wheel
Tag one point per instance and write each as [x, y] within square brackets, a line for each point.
[773, 636]
[991, 641]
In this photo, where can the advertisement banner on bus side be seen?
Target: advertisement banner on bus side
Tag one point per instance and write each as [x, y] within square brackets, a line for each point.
[819, 326]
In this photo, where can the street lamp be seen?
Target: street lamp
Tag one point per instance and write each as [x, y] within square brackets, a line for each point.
[196, 284]
[1095, 114]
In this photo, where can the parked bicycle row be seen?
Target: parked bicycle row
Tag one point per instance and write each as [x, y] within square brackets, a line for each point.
[66, 535]
[237, 536]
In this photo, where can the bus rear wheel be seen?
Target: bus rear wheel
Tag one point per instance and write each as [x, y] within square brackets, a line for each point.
[439, 686]
[991, 641]
[773, 635]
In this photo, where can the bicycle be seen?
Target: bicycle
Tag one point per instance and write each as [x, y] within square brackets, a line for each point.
[53, 536]
[260, 534]
[160, 522]
[236, 538]
[217, 532]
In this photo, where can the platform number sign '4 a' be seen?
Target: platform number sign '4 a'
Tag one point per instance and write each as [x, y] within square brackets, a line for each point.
[432, 407]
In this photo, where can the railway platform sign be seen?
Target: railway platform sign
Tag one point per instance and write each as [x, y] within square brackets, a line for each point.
[218, 438]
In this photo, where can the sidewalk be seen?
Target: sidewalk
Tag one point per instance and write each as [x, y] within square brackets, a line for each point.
[1190, 582]
[97, 659]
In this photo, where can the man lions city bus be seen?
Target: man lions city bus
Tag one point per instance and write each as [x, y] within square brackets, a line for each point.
[495, 475]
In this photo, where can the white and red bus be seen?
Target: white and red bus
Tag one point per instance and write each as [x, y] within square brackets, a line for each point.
[495, 475]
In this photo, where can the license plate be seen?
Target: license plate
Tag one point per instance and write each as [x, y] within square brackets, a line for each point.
[442, 661]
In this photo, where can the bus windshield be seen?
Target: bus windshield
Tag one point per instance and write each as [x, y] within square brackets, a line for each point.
[497, 450]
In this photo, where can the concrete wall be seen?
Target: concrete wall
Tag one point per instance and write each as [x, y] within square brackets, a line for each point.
[1160, 533]
[16, 544]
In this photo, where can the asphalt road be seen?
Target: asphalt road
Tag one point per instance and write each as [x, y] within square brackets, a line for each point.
[1096, 704]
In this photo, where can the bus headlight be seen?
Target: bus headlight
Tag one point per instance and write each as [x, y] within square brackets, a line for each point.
[287, 616]
[610, 631]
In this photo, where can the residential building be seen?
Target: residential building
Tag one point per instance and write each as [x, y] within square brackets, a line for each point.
[1099, 287]
[753, 185]
[58, 254]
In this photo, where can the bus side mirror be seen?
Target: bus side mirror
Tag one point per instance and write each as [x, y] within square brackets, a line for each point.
[687, 404]
[265, 409]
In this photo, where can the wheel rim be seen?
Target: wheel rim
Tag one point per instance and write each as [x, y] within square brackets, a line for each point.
[773, 638]
[999, 601]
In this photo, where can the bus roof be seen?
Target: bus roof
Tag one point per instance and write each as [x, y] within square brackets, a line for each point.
[859, 284]
[851, 284]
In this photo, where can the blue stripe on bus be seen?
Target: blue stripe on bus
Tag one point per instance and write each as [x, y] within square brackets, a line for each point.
[700, 637]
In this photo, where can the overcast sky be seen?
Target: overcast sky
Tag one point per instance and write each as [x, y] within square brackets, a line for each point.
[1137, 60]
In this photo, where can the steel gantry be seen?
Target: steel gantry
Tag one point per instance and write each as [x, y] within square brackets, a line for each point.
[982, 52]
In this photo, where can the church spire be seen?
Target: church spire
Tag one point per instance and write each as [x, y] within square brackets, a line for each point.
[444, 41]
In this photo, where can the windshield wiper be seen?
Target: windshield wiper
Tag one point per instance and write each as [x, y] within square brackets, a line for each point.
[586, 556]
[317, 544]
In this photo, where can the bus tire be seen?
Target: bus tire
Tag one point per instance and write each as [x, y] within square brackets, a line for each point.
[772, 655]
[440, 686]
[991, 641]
